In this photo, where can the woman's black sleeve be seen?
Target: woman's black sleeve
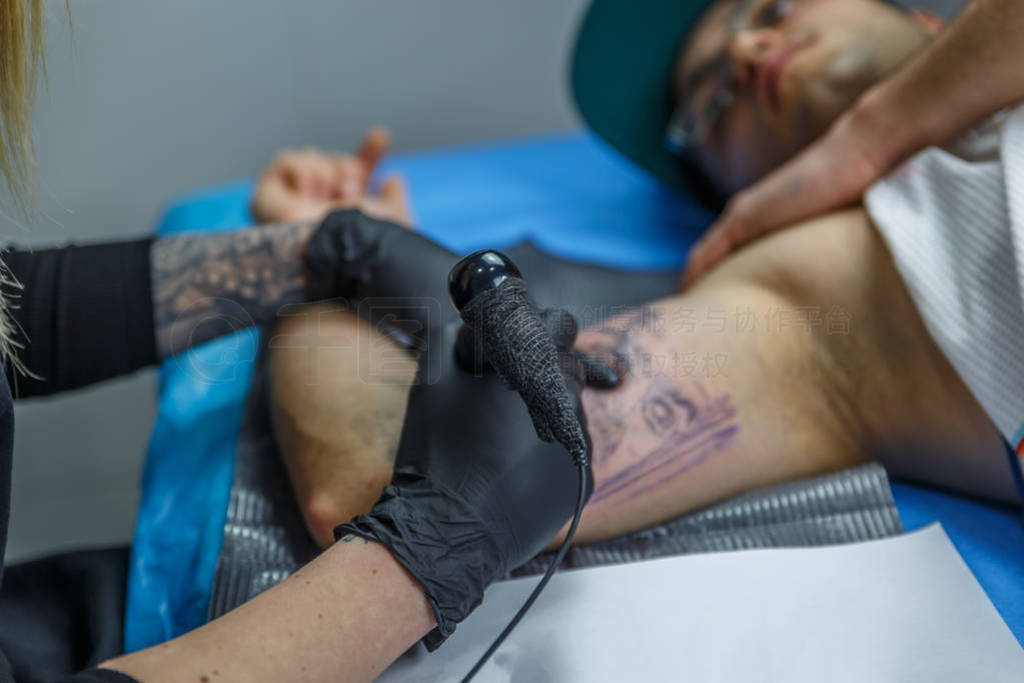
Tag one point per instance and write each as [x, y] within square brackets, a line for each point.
[85, 314]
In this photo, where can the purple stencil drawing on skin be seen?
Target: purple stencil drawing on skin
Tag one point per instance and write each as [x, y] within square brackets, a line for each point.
[669, 432]
[655, 426]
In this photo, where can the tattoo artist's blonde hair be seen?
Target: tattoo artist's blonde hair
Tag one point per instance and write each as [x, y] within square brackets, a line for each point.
[22, 56]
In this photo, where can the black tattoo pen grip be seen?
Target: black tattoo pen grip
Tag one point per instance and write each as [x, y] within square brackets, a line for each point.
[503, 330]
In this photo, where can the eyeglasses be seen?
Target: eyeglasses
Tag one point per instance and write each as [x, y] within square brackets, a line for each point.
[689, 129]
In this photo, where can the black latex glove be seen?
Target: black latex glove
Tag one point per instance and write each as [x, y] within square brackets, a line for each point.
[386, 273]
[475, 493]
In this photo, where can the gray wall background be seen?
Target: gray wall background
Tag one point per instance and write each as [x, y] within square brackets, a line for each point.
[153, 98]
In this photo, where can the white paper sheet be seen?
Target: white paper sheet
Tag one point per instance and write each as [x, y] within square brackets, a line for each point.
[904, 609]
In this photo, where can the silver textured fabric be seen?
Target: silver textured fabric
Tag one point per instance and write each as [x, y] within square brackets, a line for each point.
[265, 537]
[953, 218]
[852, 505]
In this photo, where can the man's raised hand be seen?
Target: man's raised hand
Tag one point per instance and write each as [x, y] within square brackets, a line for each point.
[307, 184]
[834, 171]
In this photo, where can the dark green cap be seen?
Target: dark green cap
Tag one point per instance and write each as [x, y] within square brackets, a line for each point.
[622, 74]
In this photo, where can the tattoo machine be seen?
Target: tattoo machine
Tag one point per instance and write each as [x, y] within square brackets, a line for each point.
[503, 330]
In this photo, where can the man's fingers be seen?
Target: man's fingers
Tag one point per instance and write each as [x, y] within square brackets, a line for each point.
[750, 215]
[350, 178]
[699, 262]
[725, 236]
[394, 190]
[375, 145]
[290, 170]
[395, 194]
[312, 172]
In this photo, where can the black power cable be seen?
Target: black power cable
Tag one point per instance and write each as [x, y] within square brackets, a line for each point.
[555, 564]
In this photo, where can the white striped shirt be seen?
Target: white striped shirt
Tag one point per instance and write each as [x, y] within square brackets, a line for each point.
[953, 218]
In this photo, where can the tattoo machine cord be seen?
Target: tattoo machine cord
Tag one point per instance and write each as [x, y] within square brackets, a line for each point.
[503, 330]
[555, 564]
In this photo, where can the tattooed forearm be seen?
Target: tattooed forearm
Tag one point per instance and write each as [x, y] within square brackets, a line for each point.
[206, 285]
[661, 421]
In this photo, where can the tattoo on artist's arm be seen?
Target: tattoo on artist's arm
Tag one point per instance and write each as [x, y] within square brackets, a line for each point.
[206, 285]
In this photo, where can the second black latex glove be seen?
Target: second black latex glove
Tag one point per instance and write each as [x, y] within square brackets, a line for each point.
[475, 493]
[388, 274]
